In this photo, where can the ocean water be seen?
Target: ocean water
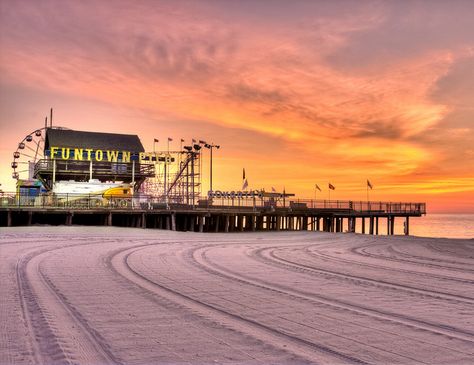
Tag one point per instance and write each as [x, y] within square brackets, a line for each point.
[432, 225]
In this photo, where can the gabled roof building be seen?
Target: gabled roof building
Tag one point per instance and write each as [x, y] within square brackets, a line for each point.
[83, 156]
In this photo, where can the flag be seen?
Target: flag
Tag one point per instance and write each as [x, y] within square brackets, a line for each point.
[170, 139]
[273, 189]
[316, 186]
[194, 141]
[156, 140]
[370, 185]
[182, 140]
[331, 186]
[243, 174]
[246, 185]
[202, 142]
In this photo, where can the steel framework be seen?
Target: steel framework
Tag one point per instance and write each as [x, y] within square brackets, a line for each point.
[177, 177]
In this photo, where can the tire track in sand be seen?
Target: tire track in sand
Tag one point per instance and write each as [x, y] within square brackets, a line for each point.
[312, 351]
[59, 334]
[201, 260]
[312, 251]
[269, 256]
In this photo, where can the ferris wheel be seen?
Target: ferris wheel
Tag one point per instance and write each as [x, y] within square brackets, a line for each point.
[29, 151]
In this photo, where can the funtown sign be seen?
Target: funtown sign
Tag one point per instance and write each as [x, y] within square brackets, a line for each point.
[90, 154]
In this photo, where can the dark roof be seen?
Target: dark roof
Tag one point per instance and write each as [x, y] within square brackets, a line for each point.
[94, 140]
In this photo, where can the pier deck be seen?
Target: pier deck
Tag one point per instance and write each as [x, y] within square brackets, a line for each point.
[328, 216]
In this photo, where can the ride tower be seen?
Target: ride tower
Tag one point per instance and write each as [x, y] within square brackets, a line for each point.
[177, 178]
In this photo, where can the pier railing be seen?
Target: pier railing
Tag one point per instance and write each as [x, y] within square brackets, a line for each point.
[148, 202]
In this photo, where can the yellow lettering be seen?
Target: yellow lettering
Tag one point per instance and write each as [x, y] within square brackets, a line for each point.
[112, 156]
[99, 155]
[78, 153]
[53, 152]
[142, 156]
[64, 155]
[125, 156]
[88, 150]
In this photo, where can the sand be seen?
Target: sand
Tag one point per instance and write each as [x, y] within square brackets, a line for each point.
[93, 295]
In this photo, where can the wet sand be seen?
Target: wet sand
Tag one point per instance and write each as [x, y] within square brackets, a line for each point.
[93, 295]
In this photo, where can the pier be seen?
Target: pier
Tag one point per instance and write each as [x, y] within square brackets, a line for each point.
[223, 215]
[92, 178]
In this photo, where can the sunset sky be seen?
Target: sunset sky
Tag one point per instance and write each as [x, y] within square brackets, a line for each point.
[297, 92]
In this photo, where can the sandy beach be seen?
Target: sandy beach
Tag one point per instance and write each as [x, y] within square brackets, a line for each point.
[93, 295]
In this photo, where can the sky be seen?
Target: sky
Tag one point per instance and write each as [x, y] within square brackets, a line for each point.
[296, 92]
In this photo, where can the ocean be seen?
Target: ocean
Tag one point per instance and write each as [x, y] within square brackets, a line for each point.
[432, 225]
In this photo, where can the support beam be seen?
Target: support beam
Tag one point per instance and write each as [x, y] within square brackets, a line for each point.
[201, 223]
[227, 223]
[173, 222]
[240, 223]
[69, 216]
[138, 222]
[407, 225]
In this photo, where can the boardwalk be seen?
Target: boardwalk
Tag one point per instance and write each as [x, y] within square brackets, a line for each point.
[224, 215]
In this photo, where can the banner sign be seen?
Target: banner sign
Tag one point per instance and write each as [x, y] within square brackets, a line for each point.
[234, 194]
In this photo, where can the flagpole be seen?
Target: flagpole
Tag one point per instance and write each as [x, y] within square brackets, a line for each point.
[314, 195]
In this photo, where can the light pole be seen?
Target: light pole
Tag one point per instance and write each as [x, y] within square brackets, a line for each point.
[196, 147]
[211, 146]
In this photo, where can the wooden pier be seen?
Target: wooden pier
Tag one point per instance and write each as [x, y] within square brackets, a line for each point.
[299, 217]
